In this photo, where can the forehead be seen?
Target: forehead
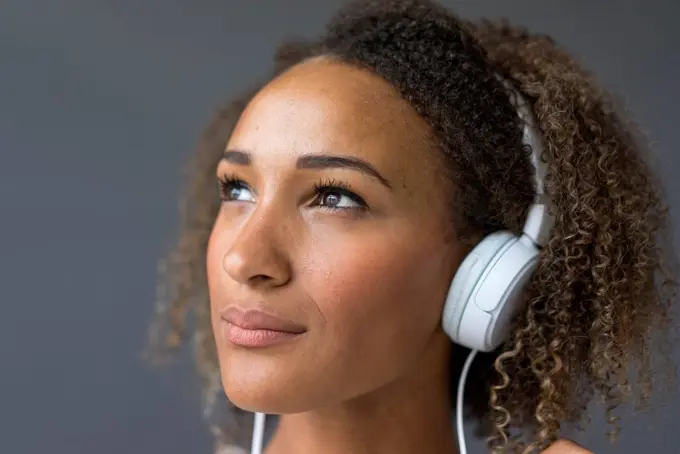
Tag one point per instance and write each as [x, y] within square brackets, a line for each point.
[325, 106]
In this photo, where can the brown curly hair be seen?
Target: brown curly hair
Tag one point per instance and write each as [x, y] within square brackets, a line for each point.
[600, 302]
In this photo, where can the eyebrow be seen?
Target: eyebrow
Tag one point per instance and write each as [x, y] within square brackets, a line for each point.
[315, 161]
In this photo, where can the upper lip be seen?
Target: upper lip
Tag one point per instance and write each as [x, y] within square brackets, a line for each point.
[253, 319]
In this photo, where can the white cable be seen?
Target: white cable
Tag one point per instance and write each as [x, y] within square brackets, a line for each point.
[462, 449]
[258, 434]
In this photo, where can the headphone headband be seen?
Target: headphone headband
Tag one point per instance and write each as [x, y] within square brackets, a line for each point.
[539, 220]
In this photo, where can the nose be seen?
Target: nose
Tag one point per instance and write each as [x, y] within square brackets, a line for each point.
[257, 256]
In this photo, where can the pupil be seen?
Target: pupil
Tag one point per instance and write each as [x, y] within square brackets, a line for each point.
[332, 199]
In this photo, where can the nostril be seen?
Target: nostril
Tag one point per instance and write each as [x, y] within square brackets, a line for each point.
[261, 278]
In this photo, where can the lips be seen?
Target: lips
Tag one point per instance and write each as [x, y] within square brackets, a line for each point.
[254, 320]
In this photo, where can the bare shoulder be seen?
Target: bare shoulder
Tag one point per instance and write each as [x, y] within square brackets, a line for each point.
[564, 446]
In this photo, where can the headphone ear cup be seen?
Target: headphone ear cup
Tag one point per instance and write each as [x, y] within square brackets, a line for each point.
[485, 292]
[467, 277]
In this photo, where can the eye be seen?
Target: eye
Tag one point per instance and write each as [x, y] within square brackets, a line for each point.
[233, 189]
[336, 199]
[336, 195]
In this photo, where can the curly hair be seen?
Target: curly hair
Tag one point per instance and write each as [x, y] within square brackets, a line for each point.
[599, 307]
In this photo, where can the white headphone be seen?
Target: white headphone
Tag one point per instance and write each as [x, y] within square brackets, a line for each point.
[486, 291]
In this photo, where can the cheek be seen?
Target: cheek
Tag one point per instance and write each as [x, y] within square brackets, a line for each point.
[379, 295]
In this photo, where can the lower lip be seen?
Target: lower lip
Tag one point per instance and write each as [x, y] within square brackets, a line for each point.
[255, 337]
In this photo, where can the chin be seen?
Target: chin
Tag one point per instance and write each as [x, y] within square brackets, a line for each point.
[261, 386]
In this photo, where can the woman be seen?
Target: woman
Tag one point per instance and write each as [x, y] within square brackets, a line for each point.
[354, 184]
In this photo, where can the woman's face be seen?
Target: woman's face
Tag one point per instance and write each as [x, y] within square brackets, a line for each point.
[333, 250]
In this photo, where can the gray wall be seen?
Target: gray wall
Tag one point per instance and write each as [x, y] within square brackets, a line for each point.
[100, 104]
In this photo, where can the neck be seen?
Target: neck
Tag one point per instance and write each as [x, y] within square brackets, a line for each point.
[410, 414]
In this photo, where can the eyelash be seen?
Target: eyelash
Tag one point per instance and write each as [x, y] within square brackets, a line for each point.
[322, 187]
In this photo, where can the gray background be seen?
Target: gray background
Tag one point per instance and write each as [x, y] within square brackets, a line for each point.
[100, 105]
